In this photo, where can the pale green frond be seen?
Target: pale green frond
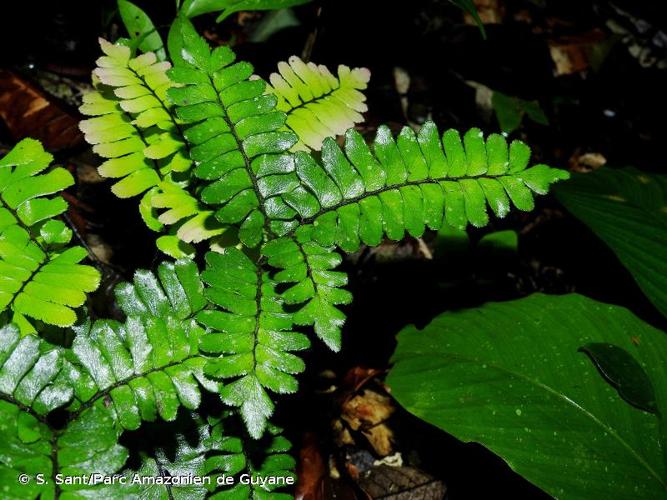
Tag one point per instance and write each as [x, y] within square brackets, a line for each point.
[40, 277]
[319, 104]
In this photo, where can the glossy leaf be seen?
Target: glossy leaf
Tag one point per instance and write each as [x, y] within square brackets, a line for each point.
[250, 333]
[626, 209]
[234, 129]
[319, 104]
[360, 195]
[511, 377]
[41, 277]
[141, 29]
[192, 8]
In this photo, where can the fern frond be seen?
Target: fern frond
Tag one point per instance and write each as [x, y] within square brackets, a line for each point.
[319, 104]
[251, 334]
[150, 364]
[34, 380]
[233, 128]
[114, 376]
[418, 181]
[234, 456]
[140, 84]
[309, 270]
[135, 128]
[191, 220]
[40, 277]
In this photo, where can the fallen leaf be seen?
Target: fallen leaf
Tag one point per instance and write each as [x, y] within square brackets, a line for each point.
[573, 54]
[401, 483]
[27, 111]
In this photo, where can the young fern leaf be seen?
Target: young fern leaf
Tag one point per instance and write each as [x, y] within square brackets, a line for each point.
[234, 129]
[139, 87]
[251, 334]
[416, 182]
[41, 277]
[317, 103]
[134, 127]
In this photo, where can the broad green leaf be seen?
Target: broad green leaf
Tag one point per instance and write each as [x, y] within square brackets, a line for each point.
[627, 209]
[511, 376]
[141, 29]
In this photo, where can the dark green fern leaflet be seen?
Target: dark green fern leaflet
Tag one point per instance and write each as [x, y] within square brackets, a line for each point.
[251, 334]
[35, 379]
[235, 132]
[308, 268]
[40, 277]
[267, 460]
[362, 194]
[211, 446]
[114, 376]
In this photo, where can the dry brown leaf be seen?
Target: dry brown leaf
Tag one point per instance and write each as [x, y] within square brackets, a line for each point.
[381, 438]
[573, 54]
[401, 483]
[367, 409]
[27, 111]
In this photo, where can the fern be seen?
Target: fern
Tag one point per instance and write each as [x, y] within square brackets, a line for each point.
[318, 104]
[418, 181]
[251, 334]
[298, 210]
[309, 270]
[234, 131]
[134, 127]
[227, 159]
[40, 275]
[114, 376]
[234, 456]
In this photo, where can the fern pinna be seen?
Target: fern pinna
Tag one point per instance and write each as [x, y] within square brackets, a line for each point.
[40, 274]
[215, 153]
